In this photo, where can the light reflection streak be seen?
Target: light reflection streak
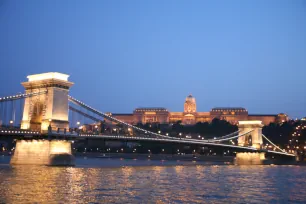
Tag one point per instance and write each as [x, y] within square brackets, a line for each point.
[153, 184]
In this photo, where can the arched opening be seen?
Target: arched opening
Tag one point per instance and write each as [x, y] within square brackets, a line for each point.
[36, 116]
[248, 140]
[189, 119]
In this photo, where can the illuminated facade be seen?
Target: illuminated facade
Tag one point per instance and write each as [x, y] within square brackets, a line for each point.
[43, 152]
[50, 107]
[190, 115]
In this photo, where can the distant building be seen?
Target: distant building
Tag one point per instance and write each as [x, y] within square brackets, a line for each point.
[191, 116]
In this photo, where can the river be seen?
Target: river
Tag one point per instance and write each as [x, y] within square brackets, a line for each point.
[96, 180]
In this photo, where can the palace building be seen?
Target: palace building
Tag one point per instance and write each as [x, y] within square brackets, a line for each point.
[190, 115]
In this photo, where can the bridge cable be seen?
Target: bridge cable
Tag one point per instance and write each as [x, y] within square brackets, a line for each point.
[273, 144]
[4, 113]
[74, 110]
[14, 111]
[115, 119]
[228, 135]
[1, 114]
[22, 101]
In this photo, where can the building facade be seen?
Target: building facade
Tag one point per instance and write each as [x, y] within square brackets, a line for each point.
[190, 115]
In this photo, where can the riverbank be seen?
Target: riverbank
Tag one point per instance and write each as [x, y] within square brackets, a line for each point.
[170, 157]
[186, 157]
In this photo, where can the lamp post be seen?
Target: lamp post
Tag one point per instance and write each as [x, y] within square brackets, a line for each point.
[11, 123]
[50, 120]
[78, 127]
[96, 128]
[49, 128]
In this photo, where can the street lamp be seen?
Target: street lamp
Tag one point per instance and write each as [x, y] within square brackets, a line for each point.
[96, 128]
[11, 123]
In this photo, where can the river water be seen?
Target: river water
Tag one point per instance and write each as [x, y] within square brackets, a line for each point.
[142, 181]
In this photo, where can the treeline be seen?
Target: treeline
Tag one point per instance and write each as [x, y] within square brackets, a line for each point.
[291, 133]
[208, 130]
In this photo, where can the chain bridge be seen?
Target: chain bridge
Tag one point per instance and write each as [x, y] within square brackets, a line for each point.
[46, 118]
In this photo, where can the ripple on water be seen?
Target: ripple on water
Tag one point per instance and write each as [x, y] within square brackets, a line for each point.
[152, 184]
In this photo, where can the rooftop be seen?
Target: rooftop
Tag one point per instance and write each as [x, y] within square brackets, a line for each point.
[122, 114]
[49, 75]
[262, 114]
[228, 108]
[151, 109]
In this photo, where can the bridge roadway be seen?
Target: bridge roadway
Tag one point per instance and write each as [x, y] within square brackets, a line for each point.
[184, 141]
[68, 135]
[18, 132]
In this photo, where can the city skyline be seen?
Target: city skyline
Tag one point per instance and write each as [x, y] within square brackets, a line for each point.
[152, 101]
[122, 55]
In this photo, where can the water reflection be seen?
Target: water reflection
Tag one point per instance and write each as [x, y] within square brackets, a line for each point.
[153, 184]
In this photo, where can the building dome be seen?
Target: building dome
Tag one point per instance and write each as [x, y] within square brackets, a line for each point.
[190, 104]
[282, 117]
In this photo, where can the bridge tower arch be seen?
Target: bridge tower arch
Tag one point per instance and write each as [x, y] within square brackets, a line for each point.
[256, 134]
[50, 106]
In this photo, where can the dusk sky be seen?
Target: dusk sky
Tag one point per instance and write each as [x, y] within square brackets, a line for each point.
[127, 54]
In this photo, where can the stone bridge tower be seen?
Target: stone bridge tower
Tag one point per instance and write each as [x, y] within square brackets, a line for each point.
[255, 135]
[49, 108]
[249, 158]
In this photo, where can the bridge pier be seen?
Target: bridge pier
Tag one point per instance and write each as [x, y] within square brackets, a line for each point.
[43, 152]
[250, 158]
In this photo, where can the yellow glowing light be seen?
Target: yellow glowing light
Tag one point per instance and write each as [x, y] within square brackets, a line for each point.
[57, 150]
[250, 122]
[150, 113]
[49, 75]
